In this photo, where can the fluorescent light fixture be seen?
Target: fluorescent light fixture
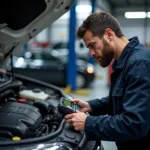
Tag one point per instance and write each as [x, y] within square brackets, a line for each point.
[82, 11]
[135, 15]
[148, 14]
[83, 8]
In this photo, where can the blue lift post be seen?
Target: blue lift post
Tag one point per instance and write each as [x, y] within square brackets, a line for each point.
[71, 70]
[93, 3]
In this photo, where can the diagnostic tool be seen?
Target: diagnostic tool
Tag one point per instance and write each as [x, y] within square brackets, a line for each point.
[67, 107]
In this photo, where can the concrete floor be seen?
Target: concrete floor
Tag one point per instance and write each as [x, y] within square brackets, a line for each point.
[99, 89]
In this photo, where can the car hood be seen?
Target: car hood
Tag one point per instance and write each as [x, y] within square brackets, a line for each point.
[24, 20]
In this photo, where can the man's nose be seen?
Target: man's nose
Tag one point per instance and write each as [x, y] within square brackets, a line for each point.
[92, 52]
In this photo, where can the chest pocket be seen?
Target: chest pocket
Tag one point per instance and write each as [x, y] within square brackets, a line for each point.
[117, 100]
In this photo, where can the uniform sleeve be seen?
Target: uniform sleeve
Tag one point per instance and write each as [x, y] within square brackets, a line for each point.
[99, 106]
[134, 122]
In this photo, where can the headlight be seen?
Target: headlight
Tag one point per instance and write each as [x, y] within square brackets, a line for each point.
[90, 69]
[20, 63]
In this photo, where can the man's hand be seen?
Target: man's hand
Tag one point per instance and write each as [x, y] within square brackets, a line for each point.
[77, 120]
[83, 105]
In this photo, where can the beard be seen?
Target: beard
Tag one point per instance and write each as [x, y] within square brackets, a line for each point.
[107, 54]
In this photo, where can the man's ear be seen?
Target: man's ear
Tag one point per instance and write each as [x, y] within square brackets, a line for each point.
[109, 34]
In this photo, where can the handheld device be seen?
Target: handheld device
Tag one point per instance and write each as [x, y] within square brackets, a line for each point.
[67, 107]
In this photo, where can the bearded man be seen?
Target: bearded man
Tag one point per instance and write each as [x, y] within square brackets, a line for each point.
[123, 116]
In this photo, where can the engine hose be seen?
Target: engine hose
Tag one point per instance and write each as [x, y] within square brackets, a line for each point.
[41, 131]
[47, 131]
[54, 127]
[6, 93]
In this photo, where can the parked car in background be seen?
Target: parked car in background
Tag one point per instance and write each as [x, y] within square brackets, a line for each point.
[60, 49]
[42, 65]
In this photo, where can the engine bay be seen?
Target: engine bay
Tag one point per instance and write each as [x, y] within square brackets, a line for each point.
[29, 115]
[27, 112]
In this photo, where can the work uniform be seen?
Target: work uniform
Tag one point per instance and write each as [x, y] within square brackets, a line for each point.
[128, 103]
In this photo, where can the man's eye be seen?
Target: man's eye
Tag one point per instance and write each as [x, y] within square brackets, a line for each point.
[93, 46]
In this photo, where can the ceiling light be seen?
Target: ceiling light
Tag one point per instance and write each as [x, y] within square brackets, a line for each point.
[135, 15]
[83, 8]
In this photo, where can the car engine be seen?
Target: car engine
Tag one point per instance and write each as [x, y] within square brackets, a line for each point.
[19, 120]
[27, 112]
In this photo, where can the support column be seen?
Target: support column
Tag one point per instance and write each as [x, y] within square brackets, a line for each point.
[71, 67]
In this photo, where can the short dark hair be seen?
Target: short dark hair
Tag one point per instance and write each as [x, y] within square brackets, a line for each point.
[97, 23]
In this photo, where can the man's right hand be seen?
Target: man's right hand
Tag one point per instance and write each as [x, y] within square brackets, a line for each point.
[84, 106]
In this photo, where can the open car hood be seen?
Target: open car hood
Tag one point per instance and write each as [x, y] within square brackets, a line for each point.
[24, 20]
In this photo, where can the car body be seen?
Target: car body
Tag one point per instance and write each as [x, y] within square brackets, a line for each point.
[29, 118]
[38, 62]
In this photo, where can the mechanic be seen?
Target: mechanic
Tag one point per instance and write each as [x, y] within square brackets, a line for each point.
[123, 116]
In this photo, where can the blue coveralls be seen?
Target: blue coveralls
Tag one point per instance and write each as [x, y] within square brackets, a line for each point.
[128, 103]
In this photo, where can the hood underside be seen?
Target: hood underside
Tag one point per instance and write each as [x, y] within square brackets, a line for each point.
[21, 20]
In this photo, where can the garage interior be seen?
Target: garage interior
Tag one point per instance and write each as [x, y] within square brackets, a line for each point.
[63, 31]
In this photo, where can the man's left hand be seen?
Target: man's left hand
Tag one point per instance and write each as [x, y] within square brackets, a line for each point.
[77, 120]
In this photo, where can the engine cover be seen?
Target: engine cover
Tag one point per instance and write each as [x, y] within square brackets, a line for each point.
[17, 119]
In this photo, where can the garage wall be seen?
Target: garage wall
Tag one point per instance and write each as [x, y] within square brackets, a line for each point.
[133, 27]
[59, 29]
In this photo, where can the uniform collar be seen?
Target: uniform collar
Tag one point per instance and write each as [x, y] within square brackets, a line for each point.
[125, 53]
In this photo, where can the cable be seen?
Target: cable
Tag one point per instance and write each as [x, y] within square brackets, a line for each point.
[12, 66]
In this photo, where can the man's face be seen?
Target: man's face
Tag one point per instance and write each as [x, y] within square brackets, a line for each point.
[100, 49]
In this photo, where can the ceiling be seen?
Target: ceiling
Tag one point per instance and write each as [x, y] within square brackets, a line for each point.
[128, 3]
